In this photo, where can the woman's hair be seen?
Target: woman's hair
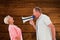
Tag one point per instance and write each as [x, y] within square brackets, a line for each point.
[6, 19]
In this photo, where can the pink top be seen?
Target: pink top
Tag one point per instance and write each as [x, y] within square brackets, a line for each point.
[14, 32]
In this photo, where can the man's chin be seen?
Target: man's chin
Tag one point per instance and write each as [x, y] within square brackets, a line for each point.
[36, 17]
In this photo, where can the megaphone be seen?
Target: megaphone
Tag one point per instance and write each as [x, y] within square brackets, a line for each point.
[25, 19]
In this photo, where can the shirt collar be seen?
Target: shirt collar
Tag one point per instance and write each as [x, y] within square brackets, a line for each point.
[40, 16]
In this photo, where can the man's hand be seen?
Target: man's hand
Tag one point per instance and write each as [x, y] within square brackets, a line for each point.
[32, 23]
[53, 38]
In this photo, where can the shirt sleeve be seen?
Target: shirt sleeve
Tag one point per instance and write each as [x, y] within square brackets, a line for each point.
[47, 20]
[12, 33]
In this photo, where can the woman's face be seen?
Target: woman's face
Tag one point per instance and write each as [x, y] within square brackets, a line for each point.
[11, 20]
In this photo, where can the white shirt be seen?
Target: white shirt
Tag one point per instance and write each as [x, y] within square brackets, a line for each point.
[43, 31]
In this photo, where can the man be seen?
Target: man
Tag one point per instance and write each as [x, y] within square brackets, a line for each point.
[45, 30]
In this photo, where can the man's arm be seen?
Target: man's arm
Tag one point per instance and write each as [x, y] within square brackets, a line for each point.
[53, 31]
[48, 22]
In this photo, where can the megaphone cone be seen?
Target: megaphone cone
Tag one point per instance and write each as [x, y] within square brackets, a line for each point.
[25, 19]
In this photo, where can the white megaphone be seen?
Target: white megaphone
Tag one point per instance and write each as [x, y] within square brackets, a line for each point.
[25, 19]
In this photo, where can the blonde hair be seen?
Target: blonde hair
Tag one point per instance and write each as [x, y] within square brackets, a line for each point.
[6, 19]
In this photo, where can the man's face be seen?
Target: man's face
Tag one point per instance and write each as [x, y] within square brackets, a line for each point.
[35, 13]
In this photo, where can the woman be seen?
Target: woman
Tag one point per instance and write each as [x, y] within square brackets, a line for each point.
[14, 31]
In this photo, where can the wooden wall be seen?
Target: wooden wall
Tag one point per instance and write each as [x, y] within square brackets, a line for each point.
[19, 8]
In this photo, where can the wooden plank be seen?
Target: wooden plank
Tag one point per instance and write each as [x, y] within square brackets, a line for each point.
[26, 11]
[20, 11]
[41, 3]
[44, 3]
[57, 27]
[4, 29]
[26, 36]
[24, 28]
[16, 11]
[33, 0]
[29, 36]
[18, 19]
[58, 36]
[4, 36]
[51, 11]
[2, 10]
[55, 20]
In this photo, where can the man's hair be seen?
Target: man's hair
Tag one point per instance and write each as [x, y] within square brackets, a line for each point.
[37, 9]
